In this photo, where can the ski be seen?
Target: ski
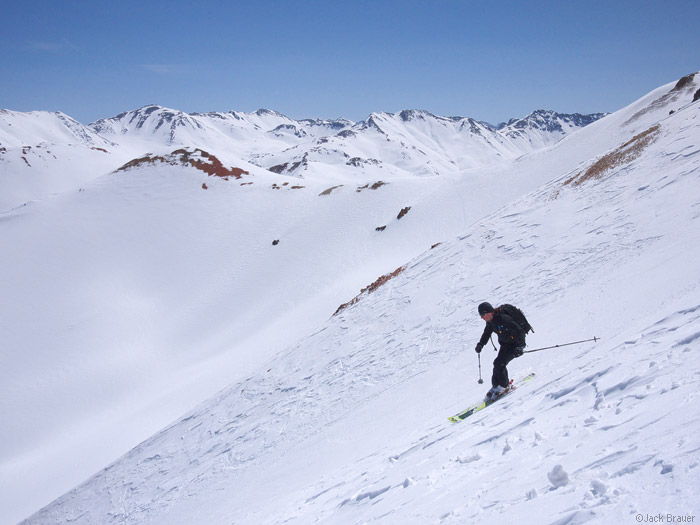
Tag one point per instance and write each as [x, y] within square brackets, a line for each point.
[480, 406]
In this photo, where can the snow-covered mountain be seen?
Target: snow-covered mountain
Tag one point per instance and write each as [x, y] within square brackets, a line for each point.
[193, 271]
[40, 127]
[415, 142]
[44, 153]
[409, 143]
[162, 123]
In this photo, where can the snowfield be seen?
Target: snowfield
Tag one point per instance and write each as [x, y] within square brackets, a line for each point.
[149, 294]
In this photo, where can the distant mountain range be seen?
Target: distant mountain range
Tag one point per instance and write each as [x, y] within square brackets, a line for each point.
[385, 145]
[413, 141]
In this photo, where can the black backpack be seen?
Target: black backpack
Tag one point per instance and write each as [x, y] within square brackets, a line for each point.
[517, 315]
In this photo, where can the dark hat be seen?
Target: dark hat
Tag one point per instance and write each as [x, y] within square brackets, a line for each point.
[485, 308]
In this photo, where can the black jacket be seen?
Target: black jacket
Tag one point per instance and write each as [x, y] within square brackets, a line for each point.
[509, 332]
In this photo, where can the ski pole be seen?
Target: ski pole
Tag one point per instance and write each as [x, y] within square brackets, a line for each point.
[480, 380]
[565, 344]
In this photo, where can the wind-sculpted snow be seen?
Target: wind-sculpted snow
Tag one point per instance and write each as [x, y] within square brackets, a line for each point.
[349, 424]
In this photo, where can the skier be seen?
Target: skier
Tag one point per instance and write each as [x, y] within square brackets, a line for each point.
[511, 337]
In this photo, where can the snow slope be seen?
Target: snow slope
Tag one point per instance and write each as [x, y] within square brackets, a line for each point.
[153, 293]
[348, 425]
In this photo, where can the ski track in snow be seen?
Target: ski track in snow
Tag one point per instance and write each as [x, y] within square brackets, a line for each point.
[349, 425]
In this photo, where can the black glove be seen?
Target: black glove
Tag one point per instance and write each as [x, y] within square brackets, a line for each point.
[478, 348]
[518, 351]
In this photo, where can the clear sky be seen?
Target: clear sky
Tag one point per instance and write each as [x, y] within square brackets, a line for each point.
[487, 59]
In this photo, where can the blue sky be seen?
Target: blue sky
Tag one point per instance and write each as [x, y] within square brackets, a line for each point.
[486, 59]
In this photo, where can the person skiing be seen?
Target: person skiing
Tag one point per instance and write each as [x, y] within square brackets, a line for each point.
[511, 337]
